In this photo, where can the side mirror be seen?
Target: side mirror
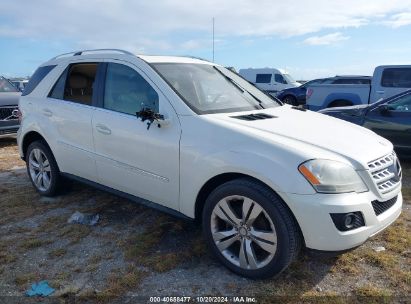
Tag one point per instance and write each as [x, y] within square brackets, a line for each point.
[147, 114]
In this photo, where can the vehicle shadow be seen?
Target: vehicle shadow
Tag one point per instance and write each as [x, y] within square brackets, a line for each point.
[8, 141]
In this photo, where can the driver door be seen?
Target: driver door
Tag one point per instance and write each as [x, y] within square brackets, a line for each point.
[129, 157]
[393, 121]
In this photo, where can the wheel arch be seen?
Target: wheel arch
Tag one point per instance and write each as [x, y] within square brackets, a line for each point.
[220, 179]
[30, 137]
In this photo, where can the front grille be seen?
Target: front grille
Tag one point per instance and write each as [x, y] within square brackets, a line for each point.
[6, 113]
[386, 173]
[380, 207]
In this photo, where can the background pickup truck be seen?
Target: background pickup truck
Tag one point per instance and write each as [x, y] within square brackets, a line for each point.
[387, 81]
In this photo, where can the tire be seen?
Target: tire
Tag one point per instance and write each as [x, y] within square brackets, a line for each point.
[340, 103]
[289, 99]
[40, 163]
[245, 194]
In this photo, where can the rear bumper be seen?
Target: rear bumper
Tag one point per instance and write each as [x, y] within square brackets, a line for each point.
[320, 233]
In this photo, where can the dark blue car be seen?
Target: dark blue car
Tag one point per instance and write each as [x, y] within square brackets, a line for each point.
[296, 96]
[390, 118]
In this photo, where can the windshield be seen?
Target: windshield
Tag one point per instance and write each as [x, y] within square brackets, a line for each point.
[209, 89]
[288, 78]
[6, 86]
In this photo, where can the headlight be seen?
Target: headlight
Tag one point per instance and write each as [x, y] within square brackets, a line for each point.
[328, 176]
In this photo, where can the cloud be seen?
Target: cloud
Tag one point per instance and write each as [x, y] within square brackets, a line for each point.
[399, 20]
[167, 25]
[326, 39]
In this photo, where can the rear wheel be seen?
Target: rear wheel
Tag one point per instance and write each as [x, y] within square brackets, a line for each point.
[289, 99]
[250, 229]
[42, 169]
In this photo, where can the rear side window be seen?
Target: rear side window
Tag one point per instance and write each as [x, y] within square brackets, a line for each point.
[396, 78]
[263, 78]
[76, 83]
[37, 77]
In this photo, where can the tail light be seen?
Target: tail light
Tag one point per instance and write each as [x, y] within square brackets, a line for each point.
[309, 93]
[17, 113]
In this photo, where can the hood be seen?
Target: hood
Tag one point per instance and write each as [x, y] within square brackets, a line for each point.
[357, 110]
[356, 143]
[9, 98]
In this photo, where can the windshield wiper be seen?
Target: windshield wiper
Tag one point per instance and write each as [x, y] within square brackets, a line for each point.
[260, 103]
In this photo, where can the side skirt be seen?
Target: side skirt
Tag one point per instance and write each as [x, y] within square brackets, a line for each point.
[130, 197]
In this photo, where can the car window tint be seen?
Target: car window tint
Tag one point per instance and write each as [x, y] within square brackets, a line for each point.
[263, 78]
[57, 91]
[396, 77]
[279, 78]
[36, 78]
[126, 91]
[402, 104]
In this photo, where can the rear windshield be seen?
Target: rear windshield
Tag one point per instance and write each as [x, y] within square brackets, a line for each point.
[396, 78]
[212, 89]
[37, 77]
[6, 86]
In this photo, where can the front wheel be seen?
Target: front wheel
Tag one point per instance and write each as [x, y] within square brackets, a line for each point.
[42, 169]
[291, 100]
[250, 229]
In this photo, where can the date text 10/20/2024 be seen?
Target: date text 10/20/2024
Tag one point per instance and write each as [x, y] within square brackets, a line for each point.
[206, 299]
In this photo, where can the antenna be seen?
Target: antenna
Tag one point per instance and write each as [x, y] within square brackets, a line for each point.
[213, 39]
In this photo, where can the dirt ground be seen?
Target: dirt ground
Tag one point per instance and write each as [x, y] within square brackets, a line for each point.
[135, 252]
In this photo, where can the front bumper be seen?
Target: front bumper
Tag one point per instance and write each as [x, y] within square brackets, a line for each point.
[8, 127]
[320, 233]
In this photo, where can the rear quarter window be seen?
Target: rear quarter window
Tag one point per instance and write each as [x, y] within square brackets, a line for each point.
[36, 78]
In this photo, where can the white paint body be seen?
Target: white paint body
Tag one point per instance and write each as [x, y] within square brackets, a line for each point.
[170, 165]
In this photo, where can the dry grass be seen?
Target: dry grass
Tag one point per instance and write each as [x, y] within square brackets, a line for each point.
[57, 253]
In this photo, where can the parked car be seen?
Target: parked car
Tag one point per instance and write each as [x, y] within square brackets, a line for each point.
[269, 80]
[20, 84]
[296, 96]
[194, 139]
[390, 118]
[9, 100]
[387, 81]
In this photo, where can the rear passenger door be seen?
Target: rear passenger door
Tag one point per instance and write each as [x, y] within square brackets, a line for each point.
[69, 109]
[131, 158]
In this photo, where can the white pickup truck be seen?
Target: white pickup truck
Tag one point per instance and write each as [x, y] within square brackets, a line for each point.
[387, 80]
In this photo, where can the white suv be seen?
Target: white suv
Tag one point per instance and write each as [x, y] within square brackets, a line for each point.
[194, 139]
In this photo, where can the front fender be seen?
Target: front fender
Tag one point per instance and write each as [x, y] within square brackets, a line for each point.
[279, 175]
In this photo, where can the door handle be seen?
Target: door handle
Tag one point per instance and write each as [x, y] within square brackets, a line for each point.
[47, 112]
[103, 129]
[380, 92]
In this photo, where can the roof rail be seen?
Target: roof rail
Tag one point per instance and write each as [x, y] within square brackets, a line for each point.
[78, 53]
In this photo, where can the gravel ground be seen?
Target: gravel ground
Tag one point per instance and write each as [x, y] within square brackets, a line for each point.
[134, 251]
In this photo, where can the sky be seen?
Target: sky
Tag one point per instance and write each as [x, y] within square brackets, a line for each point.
[309, 39]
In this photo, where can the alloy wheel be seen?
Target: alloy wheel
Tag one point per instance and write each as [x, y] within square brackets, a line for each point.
[40, 170]
[243, 232]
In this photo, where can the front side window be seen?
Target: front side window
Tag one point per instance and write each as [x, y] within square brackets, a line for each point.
[402, 104]
[396, 78]
[211, 89]
[76, 83]
[280, 79]
[263, 78]
[6, 86]
[126, 91]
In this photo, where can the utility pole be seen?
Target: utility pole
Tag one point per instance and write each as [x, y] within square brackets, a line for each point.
[213, 39]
